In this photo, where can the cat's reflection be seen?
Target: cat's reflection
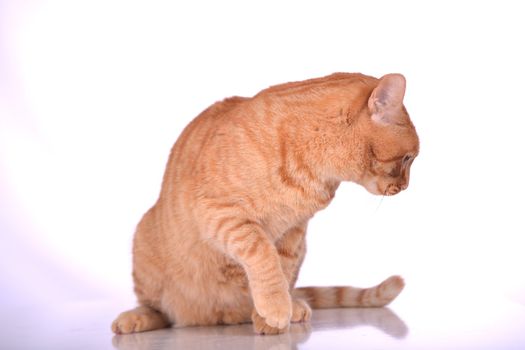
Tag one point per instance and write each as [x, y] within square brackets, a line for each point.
[242, 337]
[382, 318]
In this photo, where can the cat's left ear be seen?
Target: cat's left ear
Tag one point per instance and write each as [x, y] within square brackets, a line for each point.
[386, 100]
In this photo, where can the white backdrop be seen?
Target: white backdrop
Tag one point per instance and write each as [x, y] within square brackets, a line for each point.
[94, 93]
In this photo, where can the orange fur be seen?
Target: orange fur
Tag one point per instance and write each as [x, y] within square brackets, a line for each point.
[225, 240]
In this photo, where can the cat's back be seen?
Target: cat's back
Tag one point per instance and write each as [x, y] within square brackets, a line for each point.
[189, 149]
[255, 112]
[201, 127]
[240, 138]
[330, 84]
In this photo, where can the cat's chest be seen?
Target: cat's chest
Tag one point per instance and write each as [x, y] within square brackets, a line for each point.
[286, 212]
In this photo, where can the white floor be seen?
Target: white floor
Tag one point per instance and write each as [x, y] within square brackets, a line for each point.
[408, 324]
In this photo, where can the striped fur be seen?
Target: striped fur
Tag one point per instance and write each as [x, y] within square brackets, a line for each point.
[334, 297]
[225, 241]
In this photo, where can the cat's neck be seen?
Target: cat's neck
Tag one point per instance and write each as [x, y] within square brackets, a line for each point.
[316, 126]
[324, 150]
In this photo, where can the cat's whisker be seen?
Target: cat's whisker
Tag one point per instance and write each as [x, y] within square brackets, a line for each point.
[380, 202]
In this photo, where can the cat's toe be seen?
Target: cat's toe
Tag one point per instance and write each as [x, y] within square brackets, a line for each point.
[301, 311]
[276, 310]
[139, 319]
[125, 325]
[261, 327]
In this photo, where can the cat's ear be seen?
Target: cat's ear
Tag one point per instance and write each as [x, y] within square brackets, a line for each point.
[386, 100]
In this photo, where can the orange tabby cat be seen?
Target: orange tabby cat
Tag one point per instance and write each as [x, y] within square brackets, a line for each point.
[226, 238]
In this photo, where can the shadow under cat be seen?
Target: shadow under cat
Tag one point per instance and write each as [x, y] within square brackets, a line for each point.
[242, 337]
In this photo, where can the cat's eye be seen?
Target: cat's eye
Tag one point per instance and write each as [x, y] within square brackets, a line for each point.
[394, 172]
[406, 158]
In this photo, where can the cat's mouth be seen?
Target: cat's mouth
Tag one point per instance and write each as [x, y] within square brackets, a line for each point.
[376, 187]
[392, 190]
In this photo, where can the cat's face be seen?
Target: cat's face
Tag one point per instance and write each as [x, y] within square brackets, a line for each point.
[392, 140]
[388, 172]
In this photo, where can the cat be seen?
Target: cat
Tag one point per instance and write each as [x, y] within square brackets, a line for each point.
[226, 239]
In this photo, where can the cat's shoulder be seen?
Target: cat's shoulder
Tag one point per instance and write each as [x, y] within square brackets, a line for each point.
[222, 107]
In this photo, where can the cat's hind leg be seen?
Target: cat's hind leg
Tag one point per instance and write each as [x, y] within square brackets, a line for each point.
[139, 319]
[148, 280]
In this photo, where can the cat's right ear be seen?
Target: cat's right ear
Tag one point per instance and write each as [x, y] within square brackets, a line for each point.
[386, 100]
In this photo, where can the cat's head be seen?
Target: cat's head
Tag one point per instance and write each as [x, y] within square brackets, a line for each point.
[391, 139]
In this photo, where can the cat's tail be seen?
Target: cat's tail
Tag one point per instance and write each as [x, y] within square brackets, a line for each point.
[335, 297]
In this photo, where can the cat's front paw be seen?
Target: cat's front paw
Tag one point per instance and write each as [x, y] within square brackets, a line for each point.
[276, 309]
[261, 327]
